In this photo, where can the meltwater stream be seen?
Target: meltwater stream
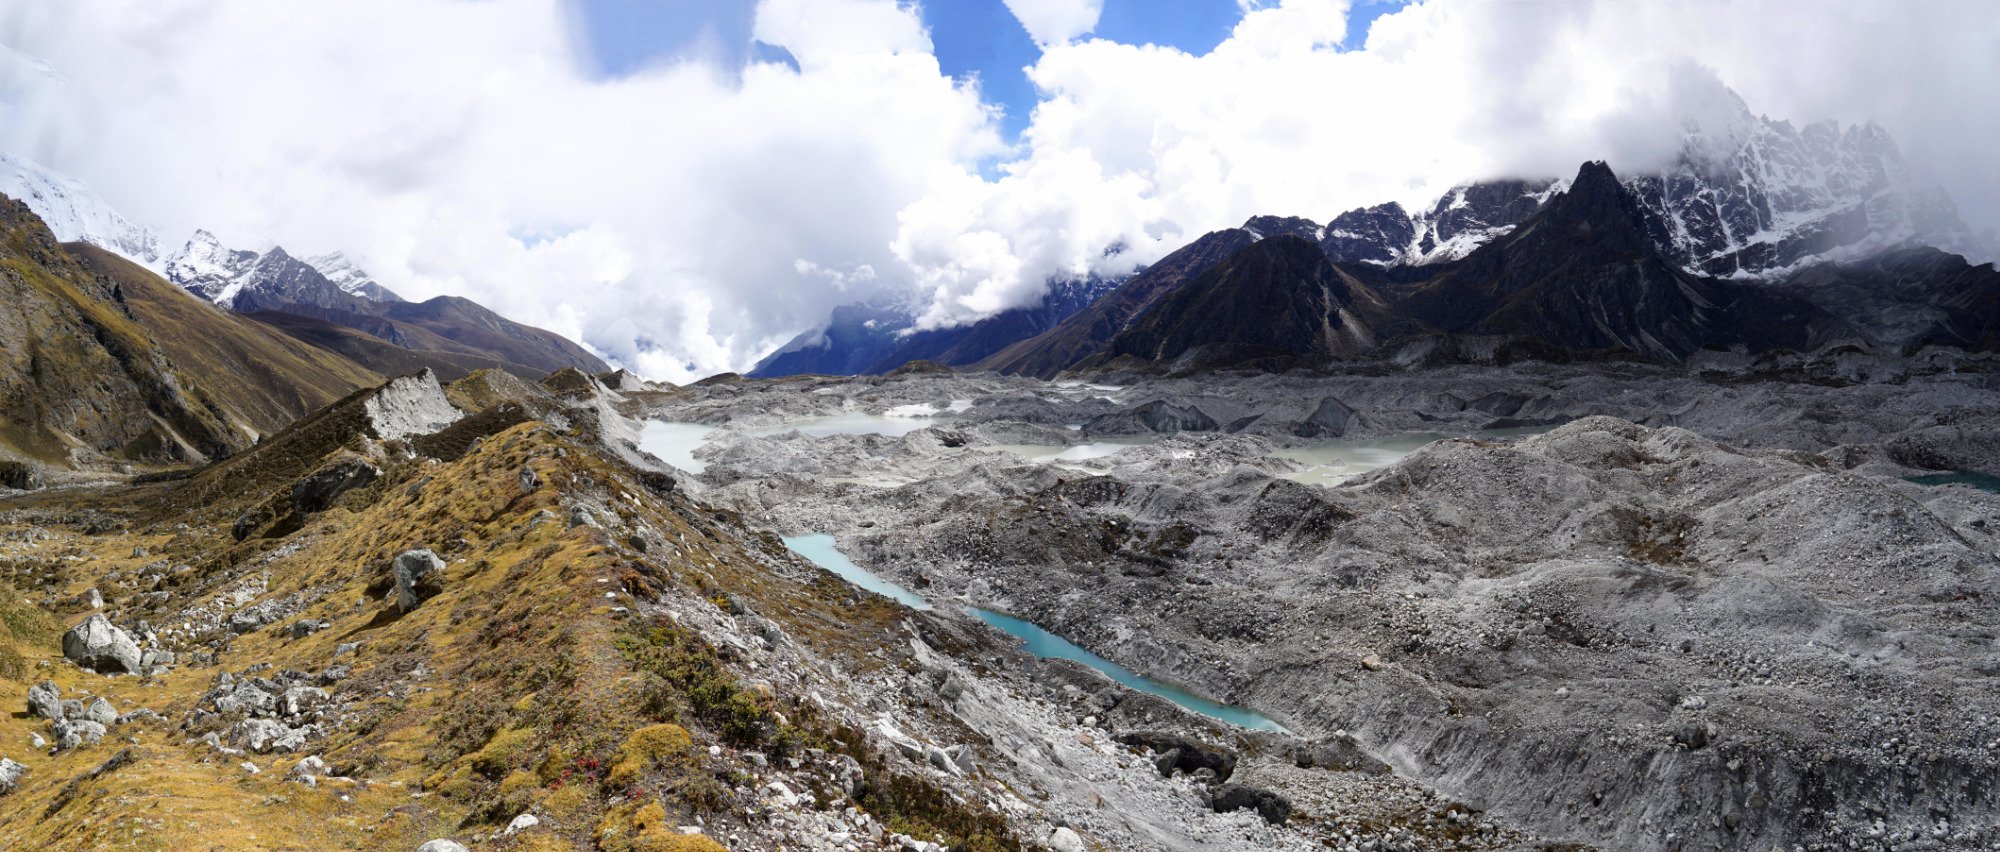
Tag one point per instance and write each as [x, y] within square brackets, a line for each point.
[821, 550]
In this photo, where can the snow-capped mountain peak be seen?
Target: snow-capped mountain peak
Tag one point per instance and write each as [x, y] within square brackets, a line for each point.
[73, 212]
[342, 271]
[207, 268]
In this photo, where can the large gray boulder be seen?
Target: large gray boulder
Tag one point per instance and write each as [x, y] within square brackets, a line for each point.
[101, 646]
[10, 775]
[419, 577]
[442, 845]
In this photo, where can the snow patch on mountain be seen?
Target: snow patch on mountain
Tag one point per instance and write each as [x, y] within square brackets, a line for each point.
[73, 212]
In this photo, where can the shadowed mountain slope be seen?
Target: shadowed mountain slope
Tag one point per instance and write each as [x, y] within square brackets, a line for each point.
[266, 377]
[84, 384]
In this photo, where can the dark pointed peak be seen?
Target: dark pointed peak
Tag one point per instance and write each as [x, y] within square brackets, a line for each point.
[1595, 198]
[1594, 177]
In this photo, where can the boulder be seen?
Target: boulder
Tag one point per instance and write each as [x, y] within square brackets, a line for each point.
[419, 577]
[442, 845]
[10, 775]
[318, 491]
[1191, 755]
[101, 646]
[45, 701]
[1274, 808]
[101, 712]
[1065, 839]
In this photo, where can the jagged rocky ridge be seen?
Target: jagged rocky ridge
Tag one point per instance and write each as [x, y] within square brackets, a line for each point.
[1581, 277]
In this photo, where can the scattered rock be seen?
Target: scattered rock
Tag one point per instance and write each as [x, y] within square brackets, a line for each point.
[101, 712]
[10, 775]
[522, 823]
[71, 733]
[442, 845]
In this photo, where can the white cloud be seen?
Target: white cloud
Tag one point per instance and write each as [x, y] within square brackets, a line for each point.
[1056, 21]
[459, 147]
[1277, 120]
[690, 219]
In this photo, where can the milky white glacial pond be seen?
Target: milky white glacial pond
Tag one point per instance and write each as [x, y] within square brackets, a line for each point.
[821, 550]
[1336, 462]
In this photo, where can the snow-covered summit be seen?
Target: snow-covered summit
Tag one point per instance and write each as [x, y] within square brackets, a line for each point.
[73, 212]
[207, 268]
[342, 271]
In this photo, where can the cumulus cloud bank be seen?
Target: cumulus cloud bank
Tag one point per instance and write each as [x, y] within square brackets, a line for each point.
[689, 218]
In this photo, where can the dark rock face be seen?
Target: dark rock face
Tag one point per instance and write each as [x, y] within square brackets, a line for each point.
[1378, 234]
[1274, 808]
[1329, 420]
[1085, 335]
[317, 492]
[1278, 297]
[1188, 755]
[1908, 299]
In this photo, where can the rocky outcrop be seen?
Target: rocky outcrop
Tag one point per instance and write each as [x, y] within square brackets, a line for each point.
[411, 405]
